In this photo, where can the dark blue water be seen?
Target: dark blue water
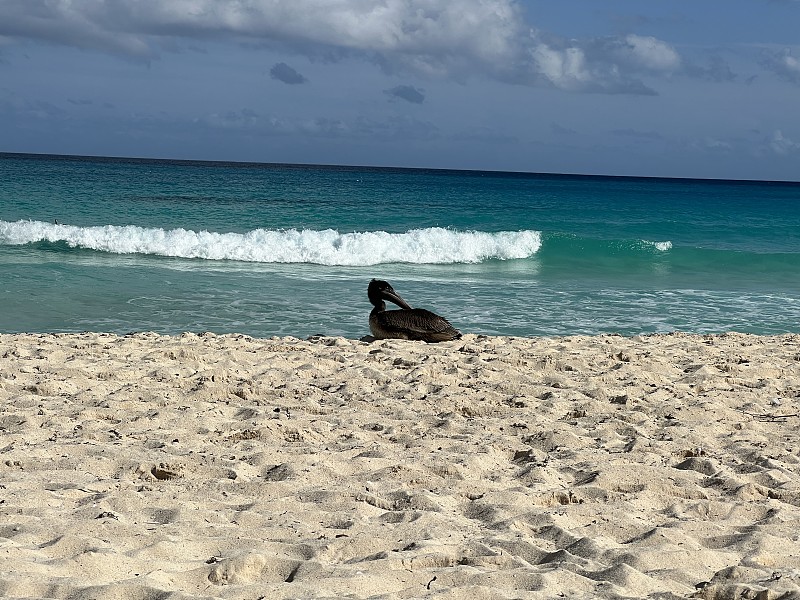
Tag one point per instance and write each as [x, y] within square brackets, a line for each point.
[288, 250]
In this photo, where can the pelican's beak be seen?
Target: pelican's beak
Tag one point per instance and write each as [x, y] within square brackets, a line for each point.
[393, 296]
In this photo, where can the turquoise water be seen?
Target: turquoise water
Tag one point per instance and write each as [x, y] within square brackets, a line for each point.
[173, 246]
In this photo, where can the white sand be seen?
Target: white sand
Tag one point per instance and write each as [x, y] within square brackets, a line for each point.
[146, 467]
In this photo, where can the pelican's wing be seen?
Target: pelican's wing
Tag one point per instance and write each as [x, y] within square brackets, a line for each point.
[420, 324]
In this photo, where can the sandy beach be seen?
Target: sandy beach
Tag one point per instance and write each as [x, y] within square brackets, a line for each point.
[208, 466]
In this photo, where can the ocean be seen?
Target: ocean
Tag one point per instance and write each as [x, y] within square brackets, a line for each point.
[124, 245]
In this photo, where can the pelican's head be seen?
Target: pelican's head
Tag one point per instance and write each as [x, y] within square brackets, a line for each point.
[378, 291]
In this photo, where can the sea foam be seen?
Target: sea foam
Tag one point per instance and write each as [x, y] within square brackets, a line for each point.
[434, 245]
[662, 246]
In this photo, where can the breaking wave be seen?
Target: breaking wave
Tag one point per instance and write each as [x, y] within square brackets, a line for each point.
[434, 245]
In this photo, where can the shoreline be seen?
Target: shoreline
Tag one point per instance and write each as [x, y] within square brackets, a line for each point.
[226, 466]
[369, 339]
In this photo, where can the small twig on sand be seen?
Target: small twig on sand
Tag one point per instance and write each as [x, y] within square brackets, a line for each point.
[768, 417]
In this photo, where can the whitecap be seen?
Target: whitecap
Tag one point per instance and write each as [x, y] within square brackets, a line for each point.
[433, 245]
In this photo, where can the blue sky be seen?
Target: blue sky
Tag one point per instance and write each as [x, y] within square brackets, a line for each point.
[675, 88]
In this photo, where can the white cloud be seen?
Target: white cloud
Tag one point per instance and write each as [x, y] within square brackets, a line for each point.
[639, 52]
[607, 65]
[710, 144]
[479, 28]
[783, 145]
[715, 144]
[784, 64]
[430, 37]
[566, 68]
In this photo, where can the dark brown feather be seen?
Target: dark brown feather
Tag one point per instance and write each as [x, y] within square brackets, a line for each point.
[407, 323]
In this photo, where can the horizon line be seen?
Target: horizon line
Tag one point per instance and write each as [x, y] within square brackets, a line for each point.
[249, 163]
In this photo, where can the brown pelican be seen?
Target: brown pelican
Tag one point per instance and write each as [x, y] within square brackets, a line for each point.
[408, 323]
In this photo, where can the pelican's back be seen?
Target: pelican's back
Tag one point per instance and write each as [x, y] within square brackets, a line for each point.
[417, 324]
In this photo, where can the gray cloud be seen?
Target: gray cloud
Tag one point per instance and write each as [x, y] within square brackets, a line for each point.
[715, 144]
[434, 38]
[243, 119]
[484, 135]
[390, 128]
[715, 69]
[395, 128]
[81, 24]
[408, 93]
[561, 130]
[28, 108]
[638, 135]
[286, 74]
[784, 64]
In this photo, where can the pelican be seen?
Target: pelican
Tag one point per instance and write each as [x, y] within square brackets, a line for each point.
[408, 323]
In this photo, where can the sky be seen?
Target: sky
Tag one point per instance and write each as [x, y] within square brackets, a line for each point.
[669, 88]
